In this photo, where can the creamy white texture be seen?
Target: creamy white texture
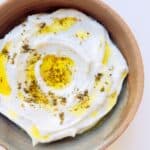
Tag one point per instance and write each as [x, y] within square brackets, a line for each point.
[99, 69]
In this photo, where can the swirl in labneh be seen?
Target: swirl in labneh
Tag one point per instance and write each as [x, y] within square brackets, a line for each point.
[60, 73]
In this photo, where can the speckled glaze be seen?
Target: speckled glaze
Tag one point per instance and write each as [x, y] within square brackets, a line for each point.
[13, 12]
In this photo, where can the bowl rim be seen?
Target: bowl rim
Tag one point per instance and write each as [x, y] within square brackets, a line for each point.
[128, 119]
[131, 114]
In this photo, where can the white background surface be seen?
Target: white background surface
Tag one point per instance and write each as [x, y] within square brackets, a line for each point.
[137, 14]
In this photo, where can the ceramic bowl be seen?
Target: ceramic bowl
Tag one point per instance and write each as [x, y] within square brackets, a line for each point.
[12, 12]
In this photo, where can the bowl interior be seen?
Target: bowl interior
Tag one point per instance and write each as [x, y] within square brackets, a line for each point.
[14, 12]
